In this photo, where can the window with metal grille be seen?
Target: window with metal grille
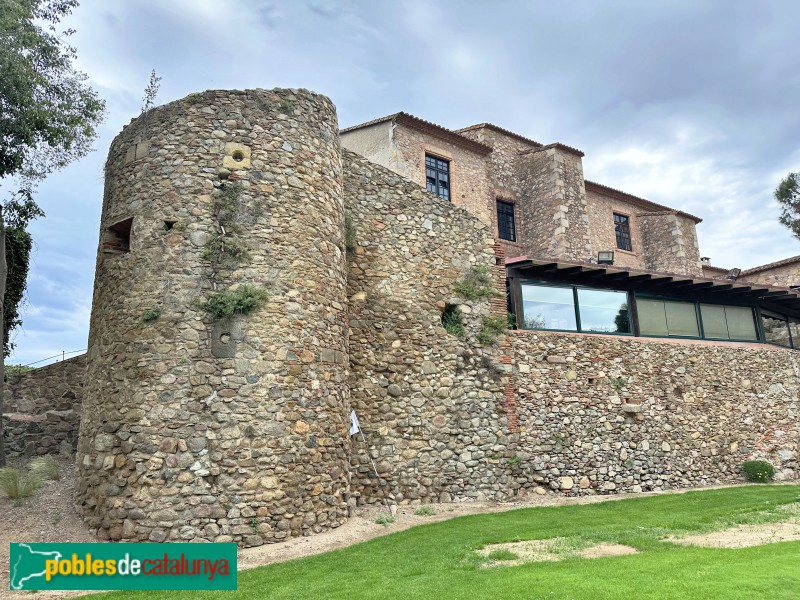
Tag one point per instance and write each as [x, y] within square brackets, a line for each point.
[437, 176]
[506, 227]
[622, 228]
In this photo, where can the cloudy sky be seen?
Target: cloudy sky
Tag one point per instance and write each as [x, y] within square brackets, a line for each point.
[693, 104]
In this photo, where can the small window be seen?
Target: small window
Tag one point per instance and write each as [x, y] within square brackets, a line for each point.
[622, 228]
[437, 176]
[117, 238]
[506, 227]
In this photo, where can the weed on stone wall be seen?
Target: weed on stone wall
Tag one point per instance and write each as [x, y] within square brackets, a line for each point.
[226, 249]
[240, 301]
[491, 327]
[151, 315]
[453, 321]
[478, 284]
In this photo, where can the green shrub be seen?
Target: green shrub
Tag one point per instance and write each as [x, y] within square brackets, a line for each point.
[17, 371]
[241, 301]
[226, 249]
[425, 511]
[151, 314]
[491, 327]
[758, 471]
[384, 520]
[16, 486]
[452, 321]
[478, 284]
[514, 462]
[45, 468]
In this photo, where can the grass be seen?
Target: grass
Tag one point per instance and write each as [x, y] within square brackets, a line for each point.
[441, 560]
[45, 468]
[384, 520]
[425, 511]
[501, 555]
[16, 485]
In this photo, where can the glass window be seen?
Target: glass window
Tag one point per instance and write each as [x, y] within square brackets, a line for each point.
[741, 325]
[437, 176]
[794, 328]
[776, 330]
[681, 319]
[652, 317]
[622, 228]
[603, 311]
[666, 318]
[546, 307]
[715, 324]
[506, 227]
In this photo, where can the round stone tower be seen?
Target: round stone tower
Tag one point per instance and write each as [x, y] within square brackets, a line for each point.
[216, 397]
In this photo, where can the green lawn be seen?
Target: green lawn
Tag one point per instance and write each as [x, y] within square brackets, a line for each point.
[439, 561]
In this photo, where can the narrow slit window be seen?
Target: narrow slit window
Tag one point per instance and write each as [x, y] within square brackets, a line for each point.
[117, 237]
[506, 224]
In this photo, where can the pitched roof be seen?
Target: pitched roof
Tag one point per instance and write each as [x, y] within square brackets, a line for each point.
[426, 127]
[503, 131]
[642, 202]
[772, 265]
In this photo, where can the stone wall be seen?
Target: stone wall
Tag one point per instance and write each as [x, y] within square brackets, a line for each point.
[42, 408]
[601, 209]
[608, 414]
[374, 141]
[431, 405]
[502, 170]
[670, 243]
[469, 185]
[784, 275]
[198, 428]
[556, 221]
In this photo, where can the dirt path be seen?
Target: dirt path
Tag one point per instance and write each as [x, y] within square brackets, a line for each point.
[49, 516]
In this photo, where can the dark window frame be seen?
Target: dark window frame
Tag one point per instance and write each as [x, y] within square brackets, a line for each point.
[622, 231]
[576, 307]
[438, 177]
[506, 220]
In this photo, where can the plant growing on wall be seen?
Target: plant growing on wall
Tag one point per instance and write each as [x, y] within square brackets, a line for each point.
[240, 301]
[491, 327]
[453, 322]
[478, 284]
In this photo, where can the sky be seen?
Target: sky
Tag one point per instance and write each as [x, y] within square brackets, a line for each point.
[695, 105]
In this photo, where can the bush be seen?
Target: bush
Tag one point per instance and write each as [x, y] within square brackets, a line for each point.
[491, 327]
[452, 321]
[384, 520]
[425, 511]
[151, 315]
[15, 486]
[758, 471]
[478, 284]
[45, 468]
[237, 302]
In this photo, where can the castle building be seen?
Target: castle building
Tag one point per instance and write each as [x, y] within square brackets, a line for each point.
[582, 256]
[261, 275]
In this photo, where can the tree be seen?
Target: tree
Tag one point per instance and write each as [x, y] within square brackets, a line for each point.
[788, 196]
[48, 117]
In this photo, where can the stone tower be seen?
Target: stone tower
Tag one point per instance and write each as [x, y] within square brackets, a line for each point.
[198, 425]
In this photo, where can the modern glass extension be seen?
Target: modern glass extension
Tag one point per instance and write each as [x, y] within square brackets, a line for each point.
[566, 307]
